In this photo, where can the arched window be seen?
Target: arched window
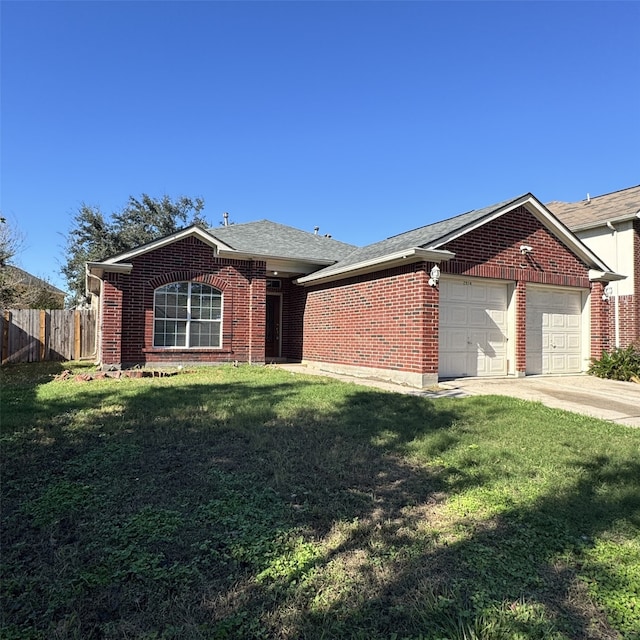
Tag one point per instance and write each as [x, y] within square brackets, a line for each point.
[188, 315]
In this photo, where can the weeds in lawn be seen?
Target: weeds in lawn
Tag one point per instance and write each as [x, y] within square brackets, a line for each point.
[252, 503]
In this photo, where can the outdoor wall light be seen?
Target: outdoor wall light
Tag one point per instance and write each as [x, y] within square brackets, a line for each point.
[608, 291]
[435, 276]
[525, 248]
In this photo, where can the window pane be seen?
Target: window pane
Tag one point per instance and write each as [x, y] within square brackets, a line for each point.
[205, 334]
[182, 306]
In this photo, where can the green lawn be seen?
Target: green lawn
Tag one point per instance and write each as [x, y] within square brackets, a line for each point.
[254, 503]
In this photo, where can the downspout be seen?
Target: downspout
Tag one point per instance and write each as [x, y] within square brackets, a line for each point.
[97, 352]
[616, 304]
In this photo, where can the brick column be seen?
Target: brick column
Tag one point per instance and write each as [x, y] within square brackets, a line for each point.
[431, 334]
[111, 320]
[520, 368]
[258, 312]
[600, 309]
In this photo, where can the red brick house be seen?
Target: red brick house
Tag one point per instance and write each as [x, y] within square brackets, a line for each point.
[503, 290]
[610, 226]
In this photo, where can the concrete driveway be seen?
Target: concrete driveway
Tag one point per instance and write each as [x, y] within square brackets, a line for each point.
[606, 399]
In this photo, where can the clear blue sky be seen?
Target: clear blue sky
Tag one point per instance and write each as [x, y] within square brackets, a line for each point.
[364, 118]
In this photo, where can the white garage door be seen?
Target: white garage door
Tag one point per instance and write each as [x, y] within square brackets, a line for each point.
[554, 330]
[473, 328]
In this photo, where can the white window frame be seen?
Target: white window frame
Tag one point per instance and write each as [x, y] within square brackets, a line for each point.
[188, 319]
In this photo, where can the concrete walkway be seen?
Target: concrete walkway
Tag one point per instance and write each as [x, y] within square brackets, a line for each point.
[606, 399]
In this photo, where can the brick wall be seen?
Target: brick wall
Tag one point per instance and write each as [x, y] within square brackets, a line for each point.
[493, 251]
[242, 283]
[629, 305]
[380, 320]
[389, 319]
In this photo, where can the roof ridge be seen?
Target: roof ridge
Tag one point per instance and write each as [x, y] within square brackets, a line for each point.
[591, 198]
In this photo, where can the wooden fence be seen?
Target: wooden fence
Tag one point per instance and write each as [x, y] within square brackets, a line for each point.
[33, 335]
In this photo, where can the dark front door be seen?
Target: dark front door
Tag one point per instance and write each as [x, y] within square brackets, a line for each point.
[272, 331]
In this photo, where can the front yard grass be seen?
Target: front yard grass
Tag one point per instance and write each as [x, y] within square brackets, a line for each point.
[240, 502]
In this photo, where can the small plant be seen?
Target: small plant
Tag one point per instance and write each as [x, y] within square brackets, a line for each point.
[619, 364]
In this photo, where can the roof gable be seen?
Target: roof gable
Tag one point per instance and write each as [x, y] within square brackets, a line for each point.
[427, 242]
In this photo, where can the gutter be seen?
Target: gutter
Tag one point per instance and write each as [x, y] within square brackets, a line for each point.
[604, 276]
[605, 223]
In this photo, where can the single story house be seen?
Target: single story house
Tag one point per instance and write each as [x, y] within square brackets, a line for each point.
[503, 290]
[610, 226]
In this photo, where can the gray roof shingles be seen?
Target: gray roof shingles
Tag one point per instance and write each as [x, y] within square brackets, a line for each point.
[426, 237]
[272, 239]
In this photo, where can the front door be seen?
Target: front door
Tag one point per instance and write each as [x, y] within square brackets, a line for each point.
[272, 329]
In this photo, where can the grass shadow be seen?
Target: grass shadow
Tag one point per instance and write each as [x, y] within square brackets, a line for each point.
[244, 503]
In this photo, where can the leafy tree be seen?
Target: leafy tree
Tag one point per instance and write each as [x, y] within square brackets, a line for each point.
[11, 241]
[96, 237]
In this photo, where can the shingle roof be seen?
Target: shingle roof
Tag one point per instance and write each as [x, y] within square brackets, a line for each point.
[427, 237]
[272, 239]
[29, 280]
[623, 204]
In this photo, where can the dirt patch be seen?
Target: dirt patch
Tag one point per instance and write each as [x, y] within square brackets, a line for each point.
[116, 375]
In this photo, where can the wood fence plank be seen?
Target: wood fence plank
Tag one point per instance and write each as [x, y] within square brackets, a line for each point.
[31, 335]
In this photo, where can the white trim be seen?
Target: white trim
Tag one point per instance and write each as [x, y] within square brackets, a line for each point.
[188, 320]
[415, 254]
[188, 232]
[630, 217]
[604, 276]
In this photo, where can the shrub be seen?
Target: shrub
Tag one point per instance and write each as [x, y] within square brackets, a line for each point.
[619, 364]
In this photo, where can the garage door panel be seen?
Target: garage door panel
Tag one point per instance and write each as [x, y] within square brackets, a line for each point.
[456, 315]
[473, 328]
[454, 340]
[455, 291]
[574, 341]
[554, 331]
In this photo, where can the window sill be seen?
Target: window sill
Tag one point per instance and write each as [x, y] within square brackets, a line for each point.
[186, 350]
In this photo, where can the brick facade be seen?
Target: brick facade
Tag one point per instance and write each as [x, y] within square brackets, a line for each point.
[389, 319]
[383, 320]
[127, 319]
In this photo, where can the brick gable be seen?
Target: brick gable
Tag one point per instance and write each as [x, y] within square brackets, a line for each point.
[241, 282]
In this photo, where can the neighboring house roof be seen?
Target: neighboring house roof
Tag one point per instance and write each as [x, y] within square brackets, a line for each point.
[613, 207]
[425, 242]
[272, 239]
[22, 277]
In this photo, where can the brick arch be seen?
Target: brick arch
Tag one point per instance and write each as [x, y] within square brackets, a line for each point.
[187, 276]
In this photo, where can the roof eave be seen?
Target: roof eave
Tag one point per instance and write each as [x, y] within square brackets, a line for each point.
[407, 256]
[98, 269]
[603, 223]
[604, 276]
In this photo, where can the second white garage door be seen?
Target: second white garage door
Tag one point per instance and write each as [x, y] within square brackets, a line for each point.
[554, 330]
[473, 328]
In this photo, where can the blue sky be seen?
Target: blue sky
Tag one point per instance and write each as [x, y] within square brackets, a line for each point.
[363, 118]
